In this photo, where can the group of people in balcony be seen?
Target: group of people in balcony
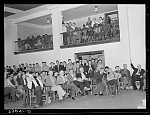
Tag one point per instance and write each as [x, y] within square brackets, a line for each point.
[39, 42]
[74, 76]
[94, 30]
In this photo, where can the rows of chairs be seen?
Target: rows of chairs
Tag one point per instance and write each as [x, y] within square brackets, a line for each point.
[54, 95]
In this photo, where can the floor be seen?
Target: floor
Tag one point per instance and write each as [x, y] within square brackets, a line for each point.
[125, 100]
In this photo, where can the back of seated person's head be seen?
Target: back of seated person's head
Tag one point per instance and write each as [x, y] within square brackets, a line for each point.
[116, 66]
[106, 67]
[77, 62]
[69, 60]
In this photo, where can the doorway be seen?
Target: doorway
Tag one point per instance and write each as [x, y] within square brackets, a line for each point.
[97, 55]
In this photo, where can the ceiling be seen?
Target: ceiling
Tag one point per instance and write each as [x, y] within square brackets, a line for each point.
[87, 10]
[18, 7]
[79, 12]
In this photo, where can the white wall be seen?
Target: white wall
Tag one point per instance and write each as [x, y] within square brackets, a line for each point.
[80, 21]
[10, 35]
[136, 15]
[24, 31]
[37, 57]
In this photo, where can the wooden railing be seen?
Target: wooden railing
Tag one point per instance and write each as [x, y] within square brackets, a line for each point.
[30, 45]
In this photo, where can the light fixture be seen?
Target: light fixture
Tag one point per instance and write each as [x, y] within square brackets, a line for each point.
[48, 20]
[96, 9]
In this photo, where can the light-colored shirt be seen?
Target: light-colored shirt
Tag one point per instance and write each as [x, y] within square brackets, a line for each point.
[30, 79]
[117, 75]
[138, 72]
[9, 84]
[83, 76]
[64, 29]
[110, 76]
[61, 79]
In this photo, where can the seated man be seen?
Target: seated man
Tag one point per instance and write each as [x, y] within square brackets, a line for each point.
[111, 81]
[25, 89]
[126, 79]
[50, 81]
[67, 85]
[9, 88]
[98, 79]
[82, 78]
[137, 76]
[37, 85]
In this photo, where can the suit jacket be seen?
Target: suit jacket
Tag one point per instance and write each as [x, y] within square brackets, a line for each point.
[98, 77]
[20, 81]
[58, 69]
[135, 71]
[70, 78]
[79, 75]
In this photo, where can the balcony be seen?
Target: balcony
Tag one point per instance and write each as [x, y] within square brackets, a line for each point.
[34, 45]
[99, 34]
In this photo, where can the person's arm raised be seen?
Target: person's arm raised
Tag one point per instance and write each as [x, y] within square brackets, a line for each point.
[132, 65]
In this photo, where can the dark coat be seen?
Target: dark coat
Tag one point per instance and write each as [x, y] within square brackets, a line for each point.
[135, 71]
[58, 69]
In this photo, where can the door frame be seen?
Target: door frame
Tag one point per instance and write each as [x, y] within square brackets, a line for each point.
[76, 55]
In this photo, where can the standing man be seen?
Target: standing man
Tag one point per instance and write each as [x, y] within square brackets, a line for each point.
[45, 67]
[37, 85]
[58, 67]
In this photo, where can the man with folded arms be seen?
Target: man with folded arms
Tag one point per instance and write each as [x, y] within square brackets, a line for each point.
[99, 75]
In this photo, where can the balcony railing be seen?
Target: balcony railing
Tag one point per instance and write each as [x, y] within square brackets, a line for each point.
[34, 45]
[101, 33]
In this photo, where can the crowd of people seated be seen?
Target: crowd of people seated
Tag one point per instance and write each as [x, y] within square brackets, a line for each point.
[73, 76]
[39, 42]
[94, 30]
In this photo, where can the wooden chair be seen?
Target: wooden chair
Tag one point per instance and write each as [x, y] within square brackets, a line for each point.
[32, 97]
[93, 86]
